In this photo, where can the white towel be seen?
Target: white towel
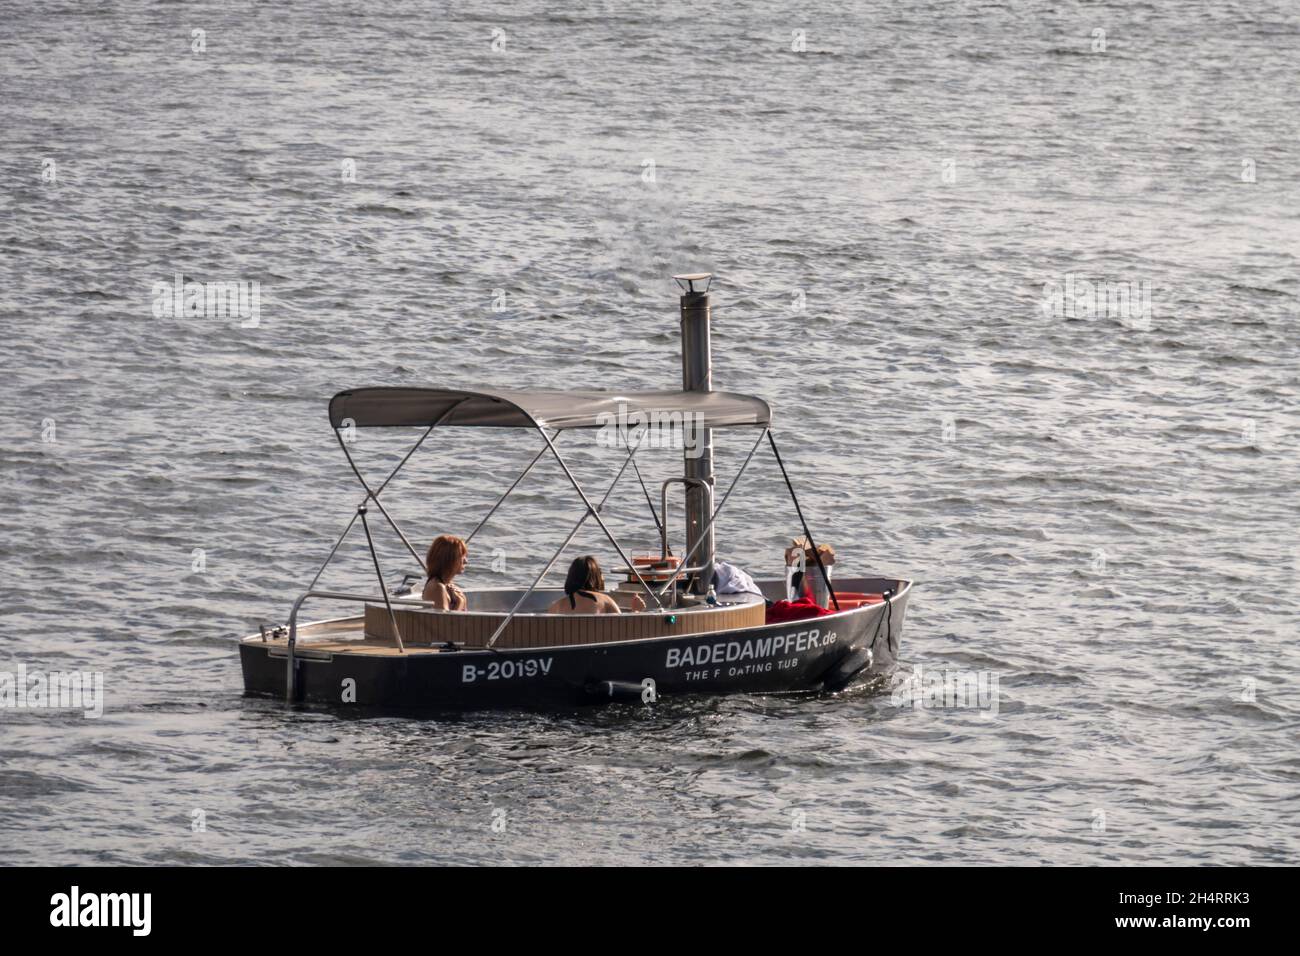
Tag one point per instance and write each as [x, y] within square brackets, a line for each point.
[729, 579]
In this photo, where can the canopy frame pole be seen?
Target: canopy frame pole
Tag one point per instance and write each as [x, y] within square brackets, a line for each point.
[390, 477]
[383, 589]
[659, 526]
[407, 456]
[333, 551]
[537, 581]
[501, 500]
[716, 511]
[373, 495]
[807, 533]
[572, 534]
[370, 496]
[596, 514]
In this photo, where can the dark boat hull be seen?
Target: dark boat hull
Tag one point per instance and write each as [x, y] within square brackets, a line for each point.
[818, 654]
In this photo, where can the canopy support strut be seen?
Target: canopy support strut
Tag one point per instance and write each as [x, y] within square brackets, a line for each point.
[371, 496]
[595, 513]
[807, 534]
[572, 534]
[383, 588]
[501, 500]
[333, 551]
[374, 496]
[709, 524]
[659, 525]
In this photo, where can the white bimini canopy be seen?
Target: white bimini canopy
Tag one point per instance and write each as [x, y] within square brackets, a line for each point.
[555, 409]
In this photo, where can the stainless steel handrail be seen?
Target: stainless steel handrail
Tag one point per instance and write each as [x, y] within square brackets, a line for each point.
[681, 568]
[330, 596]
[663, 498]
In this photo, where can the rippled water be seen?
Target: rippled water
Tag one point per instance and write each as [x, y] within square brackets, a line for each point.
[1100, 512]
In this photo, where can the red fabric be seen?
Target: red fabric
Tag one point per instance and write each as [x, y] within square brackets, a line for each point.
[782, 611]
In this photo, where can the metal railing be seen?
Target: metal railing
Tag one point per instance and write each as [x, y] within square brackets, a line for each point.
[337, 596]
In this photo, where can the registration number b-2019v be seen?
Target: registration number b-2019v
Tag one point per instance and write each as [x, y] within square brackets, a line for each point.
[506, 670]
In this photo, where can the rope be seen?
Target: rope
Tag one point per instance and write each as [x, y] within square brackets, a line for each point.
[889, 630]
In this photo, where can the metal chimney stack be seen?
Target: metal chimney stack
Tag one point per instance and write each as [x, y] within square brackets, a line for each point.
[697, 376]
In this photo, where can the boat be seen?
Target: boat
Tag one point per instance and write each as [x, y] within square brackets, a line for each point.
[397, 652]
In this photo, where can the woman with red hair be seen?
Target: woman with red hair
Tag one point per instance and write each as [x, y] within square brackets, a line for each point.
[446, 559]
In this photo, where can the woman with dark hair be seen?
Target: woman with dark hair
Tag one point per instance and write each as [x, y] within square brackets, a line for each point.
[446, 559]
[584, 591]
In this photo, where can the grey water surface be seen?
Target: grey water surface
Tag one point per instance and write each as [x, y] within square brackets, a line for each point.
[902, 203]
